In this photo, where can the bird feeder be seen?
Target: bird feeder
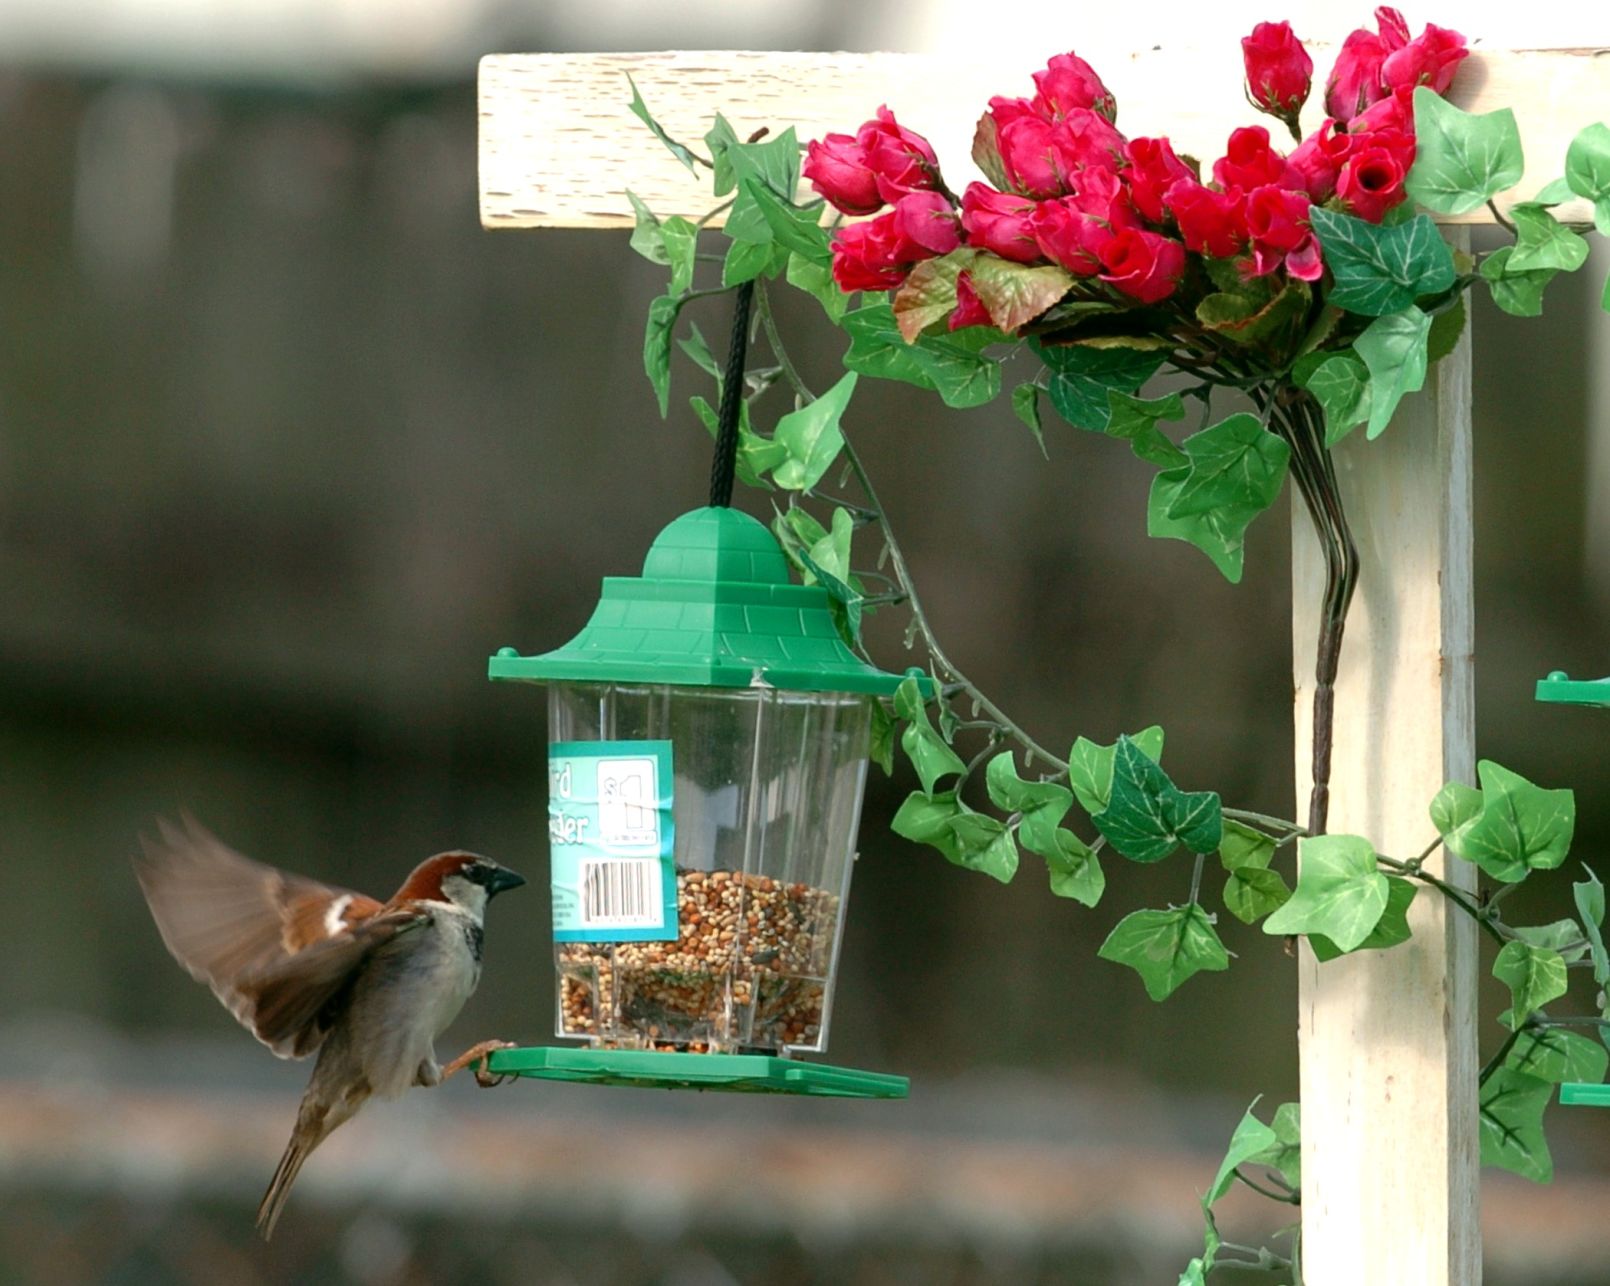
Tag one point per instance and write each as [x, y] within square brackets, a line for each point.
[709, 736]
[1562, 690]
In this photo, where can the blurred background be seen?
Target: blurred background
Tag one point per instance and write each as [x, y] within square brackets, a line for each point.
[289, 446]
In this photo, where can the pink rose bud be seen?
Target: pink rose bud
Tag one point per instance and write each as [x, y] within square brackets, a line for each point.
[837, 168]
[1355, 81]
[1394, 112]
[875, 255]
[1153, 169]
[1067, 82]
[969, 310]
[1003, 111]
[1319, 159]
[1144, 265]
[1431, 59]
[927, 221]
[1277, 221]
[1036, 156]
[999, 222]
[1371, 182]
[1248, 161]
[1279, 71]
[1212, 223]
[1101, 193]
[1069, 237]
[1091, 139]
[901, 159]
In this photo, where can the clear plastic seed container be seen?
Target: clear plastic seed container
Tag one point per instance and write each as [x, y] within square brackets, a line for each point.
[764, 801]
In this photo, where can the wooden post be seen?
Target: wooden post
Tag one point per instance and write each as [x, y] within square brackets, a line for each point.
[1387, 1038]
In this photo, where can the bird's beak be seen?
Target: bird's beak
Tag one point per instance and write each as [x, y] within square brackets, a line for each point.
[503, 878]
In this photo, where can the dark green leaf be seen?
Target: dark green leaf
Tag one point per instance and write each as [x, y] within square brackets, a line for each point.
[1521, 827]
[1082, 377]
[1285, 1154]
[1015, 293]
[1251, 1137]
[1026, 406]
[1542, 241]
[811, 437]
[1587, 171]
[1135, 420]
[1534, 976]
[950, 365]
[1512, 1105]
[1394, 348]
[1556, 1056]
[1166, 947]
[1148, 817]
[1391, 929]
[1461, 160]
[640, 110]
[1381, 270]
[1340, 892]
[1219, 535]
[657, 347]
[1518, 293]
[1090, 767]
[1446, 328]
[1237, 467]
[1341, 384]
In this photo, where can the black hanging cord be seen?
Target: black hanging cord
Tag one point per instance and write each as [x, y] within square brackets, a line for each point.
[725, 463]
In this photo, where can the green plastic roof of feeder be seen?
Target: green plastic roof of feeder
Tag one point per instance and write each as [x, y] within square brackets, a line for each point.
[715, 607]
[713, 701]
[1560, 689]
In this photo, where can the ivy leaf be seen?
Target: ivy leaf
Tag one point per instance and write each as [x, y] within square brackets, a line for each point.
[1166, 947]
[1082, 377]
[657, 347]
[929, 293]
[681, 244]
[827, 563]
[721, 139]
[1564, 936]
[1340, 892]
[1237, 466]
[1285, 1155]
[882, 750]
[1394, 349]
[925, 818]
[811, 437]
[1554, 192]
[1587, 171]
[1555, 1055]
[1521, 827]
[756, 455]
[640, 110]
[1454, 805]
[1381, 270]
[1148, 817]
[1134, 419]
[698, 351]
[1512, 1105]
[1075, 871]
[1244, 847]
[1341, 384]
[1589, 898]
[1090, 767]
[1251, 1137]
[647, 239]
[1534, 976]
[797, 227]
[951, 365]
[1026, 406]
[816, 279]
[1251, 317]
[927, 750]
[747, 260]
[1014, 293]
[1446, 328]
[768, 168]
[1461, 160]
[1042, 804]
[1253, 892]
[1391, 929]
[983, 844]
[1542, 241]
[1520, 294]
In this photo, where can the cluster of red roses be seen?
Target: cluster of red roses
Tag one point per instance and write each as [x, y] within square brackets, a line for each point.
[1073, 191]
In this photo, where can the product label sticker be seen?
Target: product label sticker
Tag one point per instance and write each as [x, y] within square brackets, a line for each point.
[611, 839]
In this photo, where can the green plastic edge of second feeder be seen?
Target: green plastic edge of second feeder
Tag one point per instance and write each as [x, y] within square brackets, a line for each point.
[1559, 689]
[1585, 1094]
[657, 1069]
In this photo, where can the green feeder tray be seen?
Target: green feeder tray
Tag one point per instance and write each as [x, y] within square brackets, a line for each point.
[656, 1069]
[1560, 689]
[1585, 1094]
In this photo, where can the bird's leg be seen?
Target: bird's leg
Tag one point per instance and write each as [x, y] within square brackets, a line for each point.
[478, 1054]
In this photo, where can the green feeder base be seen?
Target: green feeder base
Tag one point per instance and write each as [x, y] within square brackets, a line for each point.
[1577, 692]
[1585, 1094]
[655, 1069]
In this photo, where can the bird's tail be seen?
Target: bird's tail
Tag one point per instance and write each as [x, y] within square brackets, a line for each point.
[311, 1130]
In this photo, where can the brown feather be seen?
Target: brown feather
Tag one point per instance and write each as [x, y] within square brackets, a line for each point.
[424, 883]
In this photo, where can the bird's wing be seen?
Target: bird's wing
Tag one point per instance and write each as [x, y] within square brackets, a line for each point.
[278, 949]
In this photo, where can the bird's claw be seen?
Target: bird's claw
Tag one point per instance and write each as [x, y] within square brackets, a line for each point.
[478, 1057]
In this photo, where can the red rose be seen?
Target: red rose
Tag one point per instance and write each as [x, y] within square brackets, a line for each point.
[1431, 58]
[1212, 223]
[1319, 159]
[927, 220]
[1394, 112]
[1144, 265]
[1101, 193]
[1248, 161]
[1153, 169]
[1003, 111]
[1371, 182]
[1067, 82]
[969, 310]
[837, 168]
[1036, 156]
[875, 255]
[900, 159]
[1070, 237]
[1277, 222]
[999, 222]
[1279, 71]
[1355, 81]
[1090, 139]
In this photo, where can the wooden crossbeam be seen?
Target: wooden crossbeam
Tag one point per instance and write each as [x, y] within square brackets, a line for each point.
[559, 147]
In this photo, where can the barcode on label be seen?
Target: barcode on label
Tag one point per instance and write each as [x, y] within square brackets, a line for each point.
[623, 893]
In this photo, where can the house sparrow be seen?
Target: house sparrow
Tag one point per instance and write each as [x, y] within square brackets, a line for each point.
[307, 967]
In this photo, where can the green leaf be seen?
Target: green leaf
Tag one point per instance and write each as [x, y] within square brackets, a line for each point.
[760, 169]
[1555, 1055]
[950, 364]
[1135, 420]
[1394, 348]
[1042, 804]
[1534, 976]
[798, 228]
[1026, 406]
[647, 239]
[1564, 936]
[756, 455]
[681, 240]
[1542, 241]
[882, 751]
[1237, 467]
[1521, 827]
[925, 818]
[1446, 328]
[1148, 817]
[826, 561]
[1075, 871]
[1251, 1137]
[1166, 947]
[1454, 805]
[699, 352]
[1252, 893]
[1553, 193]
[1461, 160]
[1587, 171]
[1090, 767]
[811, 437]
[1081, 379]
[927, 750]
[1285, 1155]
[1391, 929]
[1512, 1105]
[1340, 892]
[1604, 299]
[1381, 270]
[721, 140]
[1015, 293]
[1589, 898]
[984, 844]
[929, 293]
[1519, 294]
[1244, 846]
[1246, 316]
[1341, 384]
[747, 260]
[657, 347]
[640, 110]
[816, 279]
